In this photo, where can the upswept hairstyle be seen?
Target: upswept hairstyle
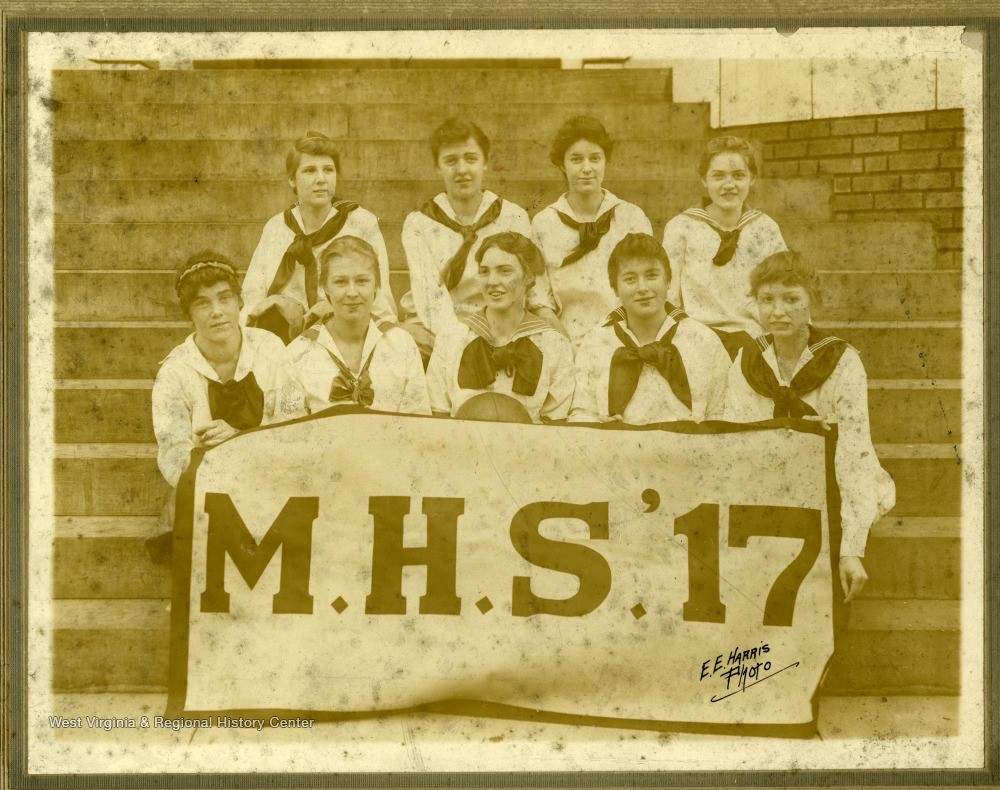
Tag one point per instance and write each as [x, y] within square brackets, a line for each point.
[634, 246]
[787, 267]
[315, 143]
[579, 127]
[457, 130]
[521, 247]
[205, 268]
[721, 145]
[349, 245]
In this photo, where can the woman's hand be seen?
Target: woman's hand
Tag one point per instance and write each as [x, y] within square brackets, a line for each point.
[213, 433]
[852, 577]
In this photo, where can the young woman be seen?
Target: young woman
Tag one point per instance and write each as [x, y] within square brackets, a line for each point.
[442, 238]
[224, 378]
[352, 358]
[504, 348]
[649, 362]
[795, 371]
[281, 288]
[578, 231]
[714, 248]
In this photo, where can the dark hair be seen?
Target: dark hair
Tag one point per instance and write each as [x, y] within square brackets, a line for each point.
[579, 127]
[457, 130]
[634, 246]
[343, 246]
[201, 270]
[315, 143]
[722, 145]
[521, 247]
[787, 267]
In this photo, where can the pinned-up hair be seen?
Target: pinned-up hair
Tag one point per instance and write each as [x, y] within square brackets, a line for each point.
[723, 145]
[521, 247]
[455, 131]
[343, 246]
[314, 143]
[579, 127]
[787, 267]
[205, 268]
[634, 246]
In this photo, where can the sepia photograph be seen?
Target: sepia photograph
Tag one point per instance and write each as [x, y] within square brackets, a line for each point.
[464, 402]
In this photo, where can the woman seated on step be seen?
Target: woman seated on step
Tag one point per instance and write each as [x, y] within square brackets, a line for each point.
[442, 238]
[714, 247]
[797, 371]
[281, 291]
[648, 362]
[352, 357]
[503, 348]
[224, 378]
[578, 231]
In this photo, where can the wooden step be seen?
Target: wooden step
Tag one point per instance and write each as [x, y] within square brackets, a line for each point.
[914, 558]
[358, 86]
[898, 647]
[881, 718]
[142, 295]
[890, 647]
[915, 411]
[133, 350]
[533, 120]
[218, 201]
[870, 246]
[360, 160]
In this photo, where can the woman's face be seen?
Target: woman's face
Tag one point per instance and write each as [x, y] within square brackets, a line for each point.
[728, 180]
[350, 286]
[315, 181]
[215, 312]
[784, 310]
[462, 166]
[583, 165]
[642, 288]
[502, 280]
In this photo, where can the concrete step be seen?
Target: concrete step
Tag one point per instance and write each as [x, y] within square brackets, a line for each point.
[832, 246]
[109, 410]
[890, 647]
[898, 647]
[877, 246]
[106, 557]
[132, 350]
[140, 295]
[215, 201]
[201, 160]
[533, 119]
[123, 480]
[359, 86]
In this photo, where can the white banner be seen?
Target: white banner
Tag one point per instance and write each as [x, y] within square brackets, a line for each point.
[675, 577]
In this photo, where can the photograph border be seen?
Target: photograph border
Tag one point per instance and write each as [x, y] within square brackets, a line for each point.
[14, 602]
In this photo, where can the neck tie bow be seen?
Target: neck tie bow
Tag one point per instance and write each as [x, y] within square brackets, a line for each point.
[590, 233]
[520, 359]
[627, 363]
[239, 403]
[358, 390]
[454, 269]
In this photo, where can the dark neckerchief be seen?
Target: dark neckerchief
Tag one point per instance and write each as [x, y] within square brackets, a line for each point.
[826, 350]
[590, 233]
[729, 239]
[520, 358]
[454, 269]
[239, 403]
[627, 363]
[300, 251]
[346, 386]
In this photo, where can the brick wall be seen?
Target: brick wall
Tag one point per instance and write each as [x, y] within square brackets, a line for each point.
[901, 167]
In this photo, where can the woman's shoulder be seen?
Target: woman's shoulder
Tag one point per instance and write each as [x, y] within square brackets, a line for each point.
[364, 216]
[397, 338]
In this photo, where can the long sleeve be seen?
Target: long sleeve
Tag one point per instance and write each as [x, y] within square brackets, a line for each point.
[675, 244]
[172, 415]
[256, 281]
[415, 398]
[715, 403]
[540, 294]
[559, 399]
[431, 300]
[585, 404]
[866, 489]
[437, 378]
[384, 308]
